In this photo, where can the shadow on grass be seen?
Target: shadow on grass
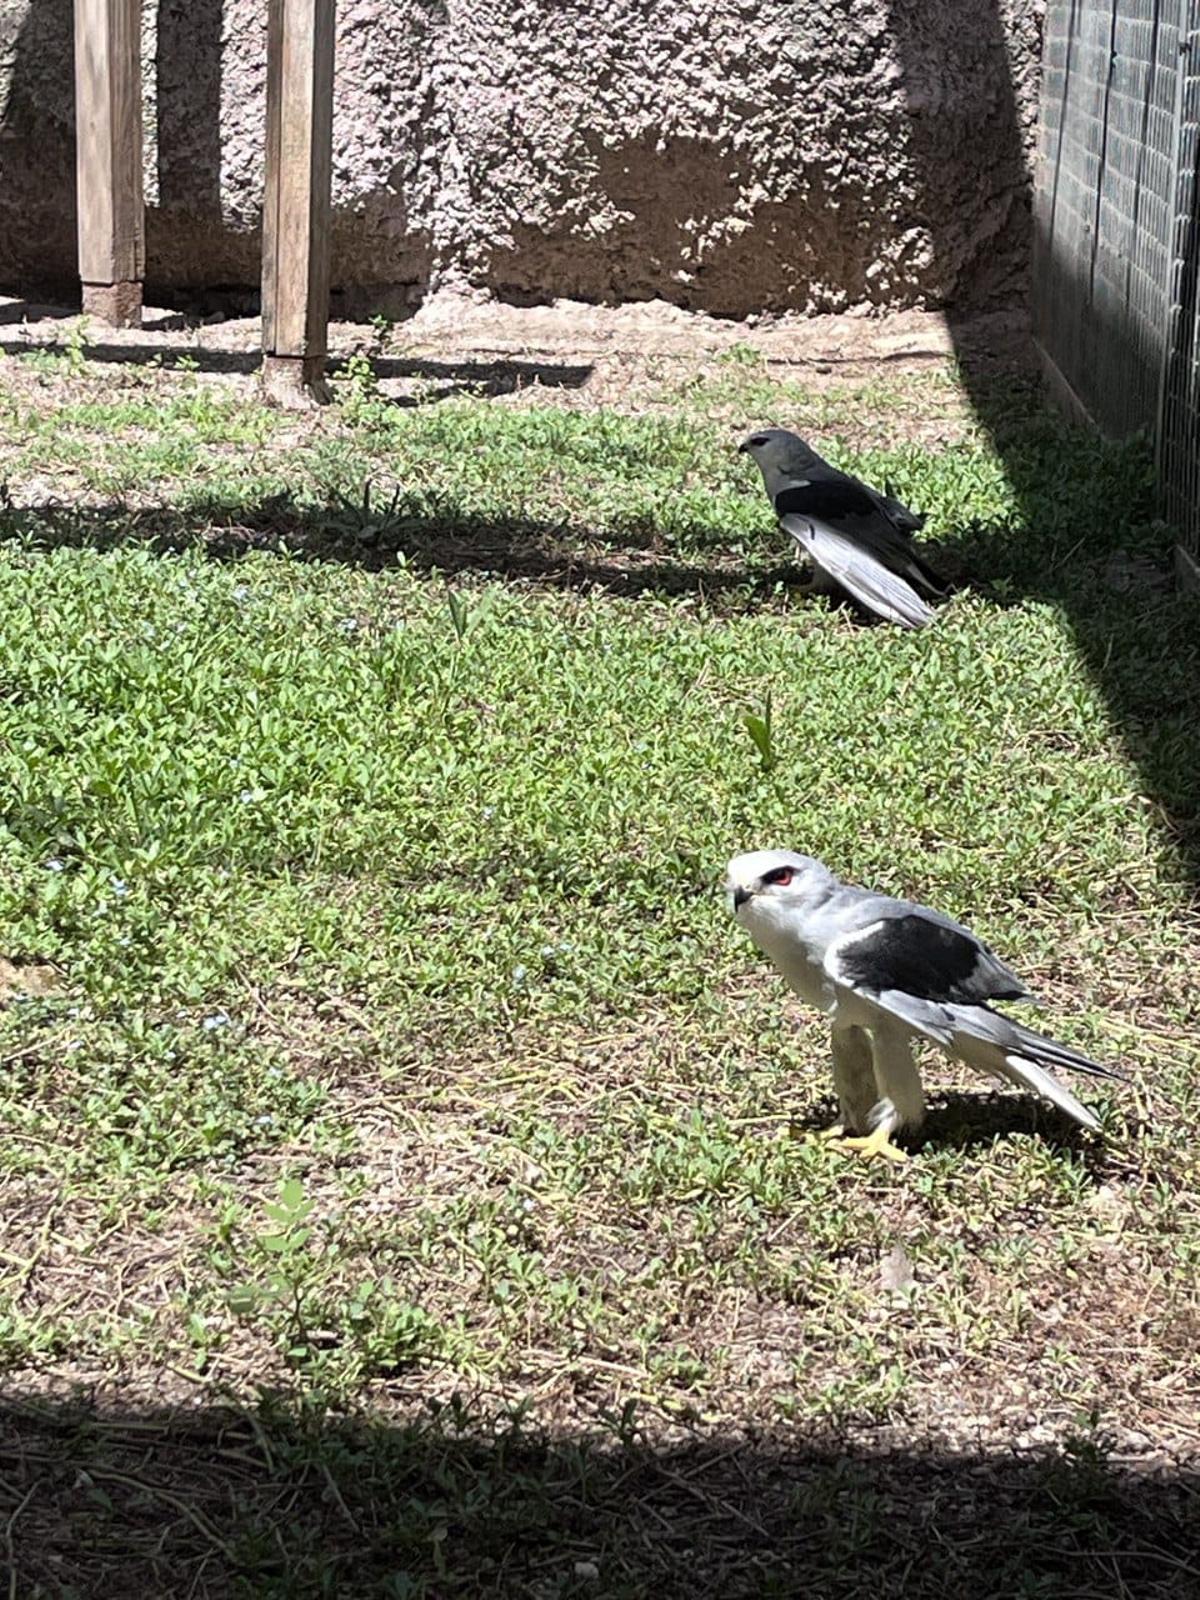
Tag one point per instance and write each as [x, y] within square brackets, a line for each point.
[963, 1121]
[201, 1501]
[975, 1121]
[15, 311]
[483, 378]
[377, 532]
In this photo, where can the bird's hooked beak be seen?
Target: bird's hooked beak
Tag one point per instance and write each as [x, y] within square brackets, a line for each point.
[744, 448]
[738, 895]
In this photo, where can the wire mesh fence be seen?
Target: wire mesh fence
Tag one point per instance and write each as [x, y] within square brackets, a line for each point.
[1117, 213]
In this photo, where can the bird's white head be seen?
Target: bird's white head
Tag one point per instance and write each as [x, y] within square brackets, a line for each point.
[780, 455]
[766, 887]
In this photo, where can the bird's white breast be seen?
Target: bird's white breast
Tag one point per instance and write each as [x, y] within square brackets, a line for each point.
[799, 963]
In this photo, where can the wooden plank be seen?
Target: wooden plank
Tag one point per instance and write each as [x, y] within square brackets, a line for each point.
[296, 205]
[108, 162]
[1061, 392]
[1187, 571]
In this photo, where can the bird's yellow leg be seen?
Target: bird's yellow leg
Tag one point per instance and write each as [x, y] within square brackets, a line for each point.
[838, 1131]
[875, 1144]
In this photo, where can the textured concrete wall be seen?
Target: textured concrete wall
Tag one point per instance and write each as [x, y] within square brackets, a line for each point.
[727, 155]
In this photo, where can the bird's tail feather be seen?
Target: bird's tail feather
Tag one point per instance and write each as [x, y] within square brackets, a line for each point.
[869, 581]
[928, 579]
[1031, 1075]
[1052, 1054]
[993, 1043]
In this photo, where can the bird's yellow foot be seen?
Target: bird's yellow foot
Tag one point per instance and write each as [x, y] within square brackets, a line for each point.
[838, 1131]
[874, 1144]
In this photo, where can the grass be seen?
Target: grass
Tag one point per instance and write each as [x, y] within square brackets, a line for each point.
[383, 1073]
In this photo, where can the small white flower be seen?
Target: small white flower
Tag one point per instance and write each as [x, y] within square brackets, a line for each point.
[55, 865]
[218, 1019]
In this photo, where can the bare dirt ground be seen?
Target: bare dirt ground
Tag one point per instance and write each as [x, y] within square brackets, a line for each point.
[614, 353]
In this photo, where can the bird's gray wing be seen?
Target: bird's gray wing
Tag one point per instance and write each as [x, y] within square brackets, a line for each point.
[859, 572]
[936, 978]
[854, 510]
[896, 944]
[983, 1024]
[907, 521]
[843, 502]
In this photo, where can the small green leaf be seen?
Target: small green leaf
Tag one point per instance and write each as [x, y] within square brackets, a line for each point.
[459, 615]
[759, 729]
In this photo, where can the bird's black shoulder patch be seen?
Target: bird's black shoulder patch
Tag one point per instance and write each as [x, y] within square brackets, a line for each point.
[828, 500]
[922, 957]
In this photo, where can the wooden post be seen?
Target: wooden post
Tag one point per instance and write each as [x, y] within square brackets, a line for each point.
[296, 208]
[108, 159]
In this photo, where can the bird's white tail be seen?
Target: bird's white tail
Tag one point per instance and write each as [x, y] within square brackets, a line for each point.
[869, 581]
[1020, 1069]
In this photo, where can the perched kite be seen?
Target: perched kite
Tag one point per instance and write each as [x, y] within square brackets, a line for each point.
[887, 972]
[854, 536]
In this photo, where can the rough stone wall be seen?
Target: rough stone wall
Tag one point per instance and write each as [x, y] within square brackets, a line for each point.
[726, 155]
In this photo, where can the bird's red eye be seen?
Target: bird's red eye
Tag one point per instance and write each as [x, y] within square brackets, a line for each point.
[780, 875]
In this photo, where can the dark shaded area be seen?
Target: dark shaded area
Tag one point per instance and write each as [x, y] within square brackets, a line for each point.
[206, 1502]
[377, 528]
[37, 152]
[187, 71]
[379, 524]
[1144, 654]
[14, 312]
[488, 378]
[974, 1121]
